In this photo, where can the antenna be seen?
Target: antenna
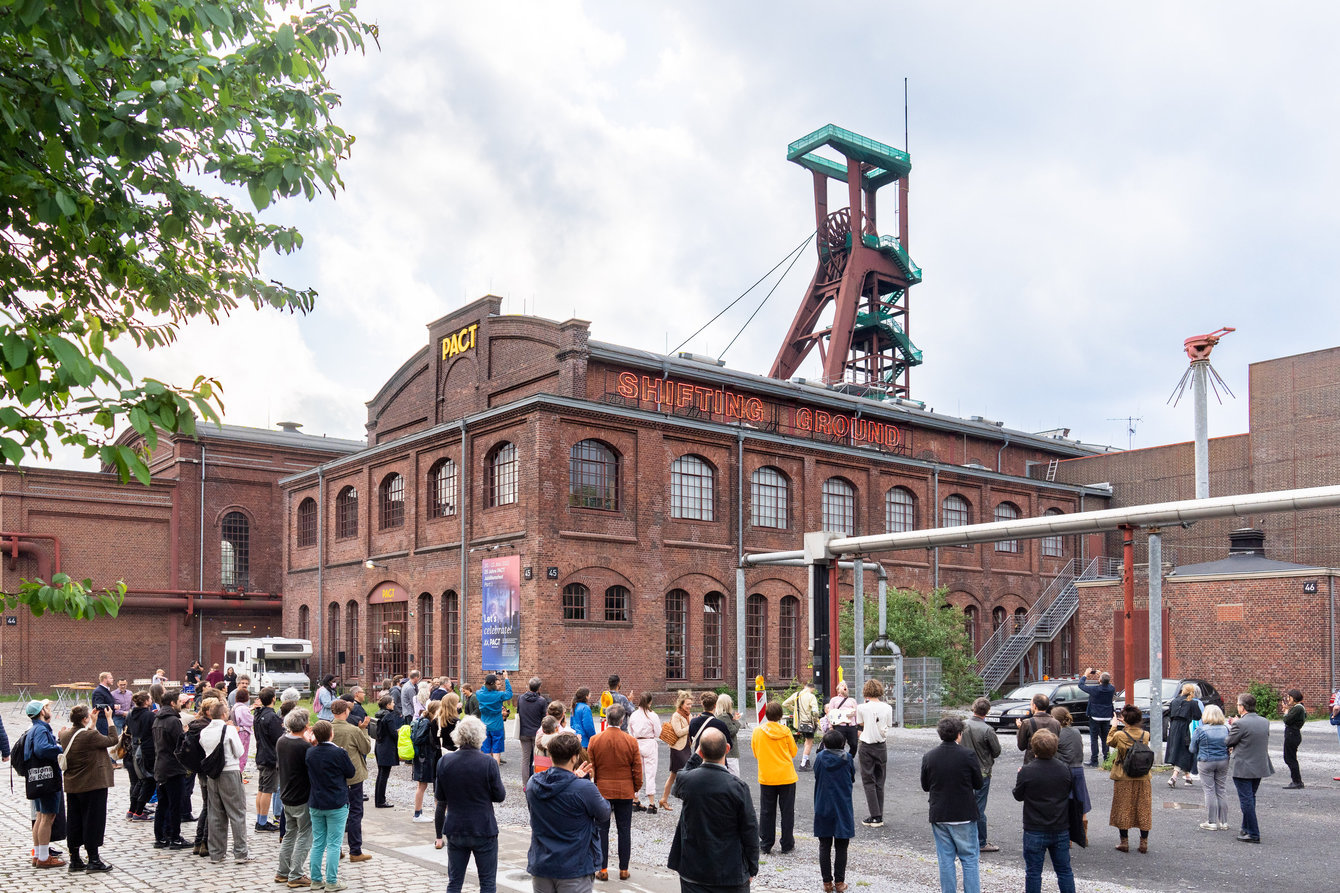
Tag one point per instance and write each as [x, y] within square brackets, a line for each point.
[905, 145]
[1131, 422]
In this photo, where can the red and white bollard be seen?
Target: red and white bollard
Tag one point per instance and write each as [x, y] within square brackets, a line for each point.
[760, 698]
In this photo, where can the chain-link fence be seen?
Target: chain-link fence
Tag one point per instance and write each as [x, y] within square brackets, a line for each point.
[923, 690]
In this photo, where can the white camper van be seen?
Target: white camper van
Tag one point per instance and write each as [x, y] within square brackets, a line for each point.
[271, 660]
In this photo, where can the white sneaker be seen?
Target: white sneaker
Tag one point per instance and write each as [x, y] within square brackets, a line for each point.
[1209, 826]
[423, 818]
[1223, 826]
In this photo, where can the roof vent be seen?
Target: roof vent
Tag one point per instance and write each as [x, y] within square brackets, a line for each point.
[700, 358]
[290, 427]
[1247, 541]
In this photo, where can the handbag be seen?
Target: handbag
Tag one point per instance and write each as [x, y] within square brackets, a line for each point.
[61, 760]
[668, 734]
[43, 779]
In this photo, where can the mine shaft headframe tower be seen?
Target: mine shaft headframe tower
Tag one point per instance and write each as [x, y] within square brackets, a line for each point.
[865, 275]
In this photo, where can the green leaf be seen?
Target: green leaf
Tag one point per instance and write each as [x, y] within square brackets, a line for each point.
[11, 449]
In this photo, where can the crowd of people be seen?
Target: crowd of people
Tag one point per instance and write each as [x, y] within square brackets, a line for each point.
[583, 783]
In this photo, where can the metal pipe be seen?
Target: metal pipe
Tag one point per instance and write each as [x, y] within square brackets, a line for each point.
[463, 503]
[320, 570]
[55, 544]
[200, 558]
[935, 513]
[144, 601]
[858, 626]
[739, 631]
[1155, 645]
[739, 574]
[834, 639]
[1128, 607]
[1199, 370]
[27, 547]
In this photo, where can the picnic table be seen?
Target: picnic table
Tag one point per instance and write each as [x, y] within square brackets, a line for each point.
[24, 690]
[69, 693]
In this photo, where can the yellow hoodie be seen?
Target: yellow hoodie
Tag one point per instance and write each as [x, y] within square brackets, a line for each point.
[775, 749]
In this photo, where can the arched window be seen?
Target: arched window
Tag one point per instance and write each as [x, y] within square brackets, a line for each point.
[691, 492]
[333, 641]
[997, 618]
[502, 475]
[970, 626]
[839, 506]
[346, 513]
[235, 551]
[307, 523]
[391, 501]
[1019, 614]
[593, 476]
[900, 510]
[451, 632]
[1007, 511]
[768, 498]
[755, 634]
[425, 655]
[676, 629]
[574, 601]
[712, 603]
[616, 604]
[1053, 546]
[788, 637]
[352, 647]
[304, 622]
[955, 512]
[442, 489]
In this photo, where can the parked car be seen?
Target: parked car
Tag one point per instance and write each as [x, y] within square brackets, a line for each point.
[1006, 711]
[1208, 695]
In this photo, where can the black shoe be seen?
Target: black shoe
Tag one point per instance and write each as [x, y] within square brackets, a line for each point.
[267, 826]
[638, 807]
[384, 805]
[786, 850]
[180, 844]
[188, 818]
[1247, 838]
[76, 864]
[365, 798]
[161, 844]
[98, 865]
[763, 851]
[1294, 786]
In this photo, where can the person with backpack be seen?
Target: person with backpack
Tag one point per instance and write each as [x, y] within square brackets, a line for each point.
[140, 761]
[192, 755]
[42, 780]
[169, 774]
[1132, 795]
[427, 751]
[227, 799]
[386, 739]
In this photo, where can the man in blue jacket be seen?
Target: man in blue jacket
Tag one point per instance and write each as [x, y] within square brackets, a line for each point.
[1100, 711]
[566, 812]
[40, 746]
[491, 701]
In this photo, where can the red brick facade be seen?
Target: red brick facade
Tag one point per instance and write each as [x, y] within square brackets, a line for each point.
[544, 388]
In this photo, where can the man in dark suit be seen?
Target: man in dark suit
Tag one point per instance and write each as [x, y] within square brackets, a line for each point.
[103, 701]
[715, 849]
[1249, 762]
[952, 775]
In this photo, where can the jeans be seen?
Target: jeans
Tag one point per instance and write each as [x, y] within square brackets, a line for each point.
[227, 807]
[621, 811]
[769, 795]
[833, 865]
[1214, 782]
[202, 820]
[327, 831]
[353, 826]
[297, 842]
[171, 807]
[1098, 729]
[1247, 802]
[1292, 738]
[874, 759]
[120, 722]
[1036, 846]
[957, 841]
[981, 795]
[485, 849]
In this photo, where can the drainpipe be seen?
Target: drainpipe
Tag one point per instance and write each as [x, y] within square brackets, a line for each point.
[858, 625]
[1330, 597]
[320, 570]
[462, 504]
[1155, 643]
[739, 574]
[935, 508]
[200, 559]
[1001, 450]
[1128, 599]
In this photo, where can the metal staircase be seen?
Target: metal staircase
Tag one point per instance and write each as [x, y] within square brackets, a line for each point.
[1008, 645]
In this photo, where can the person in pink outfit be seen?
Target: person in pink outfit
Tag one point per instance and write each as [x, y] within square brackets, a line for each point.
[244, 723]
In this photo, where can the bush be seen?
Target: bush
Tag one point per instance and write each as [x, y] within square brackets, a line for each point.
[1267, 699]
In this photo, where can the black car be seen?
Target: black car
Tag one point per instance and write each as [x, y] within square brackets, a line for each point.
[1208, 695]
[1005, 712]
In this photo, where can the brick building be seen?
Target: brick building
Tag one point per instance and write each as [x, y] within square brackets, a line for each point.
[200, 551]
[1266, 614]
[626, 484]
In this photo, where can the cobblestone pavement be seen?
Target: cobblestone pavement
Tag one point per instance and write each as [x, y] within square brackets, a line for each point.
[899, 858]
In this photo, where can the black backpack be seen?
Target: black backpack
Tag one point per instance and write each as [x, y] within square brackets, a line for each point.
[189, 752]
[1139, 758]
[17, 761]
[212, 765]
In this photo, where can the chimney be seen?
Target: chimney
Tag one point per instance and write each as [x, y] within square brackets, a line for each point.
[1247, 541]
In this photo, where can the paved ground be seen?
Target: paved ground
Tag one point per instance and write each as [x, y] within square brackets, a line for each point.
[899, 857]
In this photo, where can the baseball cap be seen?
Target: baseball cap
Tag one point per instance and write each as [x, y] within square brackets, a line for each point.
[35, 707]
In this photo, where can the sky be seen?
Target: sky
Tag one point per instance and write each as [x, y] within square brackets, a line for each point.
[1091, 184]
